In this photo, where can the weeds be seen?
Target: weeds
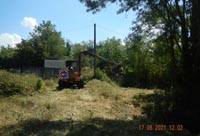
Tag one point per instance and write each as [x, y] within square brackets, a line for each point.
[11, 84]
[88, 127]
[98, 109]
[102, 76]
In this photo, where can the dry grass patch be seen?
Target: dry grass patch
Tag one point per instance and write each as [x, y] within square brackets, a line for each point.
[98, 100]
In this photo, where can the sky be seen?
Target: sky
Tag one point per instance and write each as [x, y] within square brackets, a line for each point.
[19, 17]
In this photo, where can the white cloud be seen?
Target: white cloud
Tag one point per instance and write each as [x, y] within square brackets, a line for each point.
[9, 39]
[29, 22]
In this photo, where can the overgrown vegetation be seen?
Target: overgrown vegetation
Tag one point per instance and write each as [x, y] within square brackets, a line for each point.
[162, 51]
[12, 83]
[98, 109]
[102, 76]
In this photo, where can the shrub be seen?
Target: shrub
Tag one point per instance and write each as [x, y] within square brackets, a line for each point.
[102, 76]
[87, 73]
[11, 83]
[39, 84]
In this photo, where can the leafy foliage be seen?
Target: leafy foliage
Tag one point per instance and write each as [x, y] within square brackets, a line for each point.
[102, 76]
[46, 35]
[161, 52]
[11, 84]
[172, 29]
[112, 50]
[45, 43]
[7, 57]
[86, 61]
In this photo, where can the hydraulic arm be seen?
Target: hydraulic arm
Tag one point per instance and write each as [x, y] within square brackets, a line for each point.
[117, 66]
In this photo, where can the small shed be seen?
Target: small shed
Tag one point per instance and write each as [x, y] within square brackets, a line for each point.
[52, 66]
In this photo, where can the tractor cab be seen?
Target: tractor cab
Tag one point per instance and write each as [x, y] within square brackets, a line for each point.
[70, 75]
[71, 65]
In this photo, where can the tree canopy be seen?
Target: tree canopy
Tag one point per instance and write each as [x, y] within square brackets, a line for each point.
[162, 51]
[172, 28]
[45, 43]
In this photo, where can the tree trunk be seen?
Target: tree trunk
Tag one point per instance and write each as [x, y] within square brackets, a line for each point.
[195, 40]
[191, 86]
[195, 36]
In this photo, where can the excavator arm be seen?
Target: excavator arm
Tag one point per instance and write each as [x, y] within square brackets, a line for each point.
[116, 69]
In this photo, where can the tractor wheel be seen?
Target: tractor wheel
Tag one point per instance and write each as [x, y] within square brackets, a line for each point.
[80, 84]
[61, 85]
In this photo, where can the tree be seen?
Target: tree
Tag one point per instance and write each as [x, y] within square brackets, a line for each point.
[46, 35]
[110, 49]
[45, 43]
[179, 21]
[195, 41]
[25, 54]
[6, 52]
[68, 48]
[75, 52]
[7, 57]
[174, 15]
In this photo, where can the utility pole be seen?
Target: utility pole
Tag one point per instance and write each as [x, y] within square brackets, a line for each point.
[94, 50]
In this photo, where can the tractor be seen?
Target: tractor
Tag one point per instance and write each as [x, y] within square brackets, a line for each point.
[71, 75]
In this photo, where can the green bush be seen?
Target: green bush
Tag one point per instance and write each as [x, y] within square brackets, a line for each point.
[11, 83]
[102, 76]
[87, 73]
[40, 84]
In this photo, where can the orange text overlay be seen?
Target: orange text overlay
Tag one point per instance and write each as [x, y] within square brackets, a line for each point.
[160, 127]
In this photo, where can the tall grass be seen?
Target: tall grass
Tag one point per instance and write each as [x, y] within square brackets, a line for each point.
[88, 74]
[102, 76]
[12, 83]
